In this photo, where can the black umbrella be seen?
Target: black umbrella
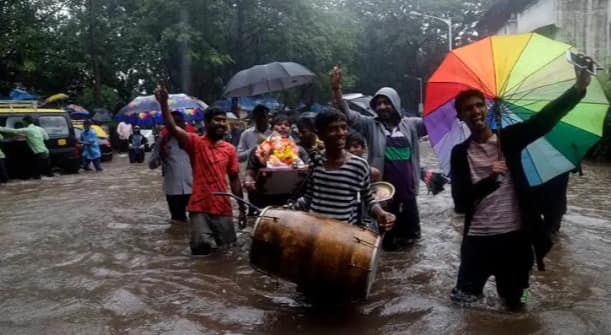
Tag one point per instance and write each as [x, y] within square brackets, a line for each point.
[267, 78]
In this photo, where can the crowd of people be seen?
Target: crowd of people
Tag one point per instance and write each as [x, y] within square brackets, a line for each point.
[506, 230]
[504, 233]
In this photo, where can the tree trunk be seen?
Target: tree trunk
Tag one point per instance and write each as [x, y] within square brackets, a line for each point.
[240, 38]
[95, 62]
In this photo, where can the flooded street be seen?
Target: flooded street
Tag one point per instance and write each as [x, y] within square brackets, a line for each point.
[93, 253]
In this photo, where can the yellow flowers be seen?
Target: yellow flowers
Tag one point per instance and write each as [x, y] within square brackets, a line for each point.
[276, 151]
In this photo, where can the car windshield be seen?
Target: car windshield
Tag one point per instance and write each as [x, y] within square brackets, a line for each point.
[56, 126]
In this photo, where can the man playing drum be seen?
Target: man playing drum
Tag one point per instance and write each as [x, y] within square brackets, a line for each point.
[340, 186]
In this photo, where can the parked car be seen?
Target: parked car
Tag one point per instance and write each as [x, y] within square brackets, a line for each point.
[103, 137]
[62, 142]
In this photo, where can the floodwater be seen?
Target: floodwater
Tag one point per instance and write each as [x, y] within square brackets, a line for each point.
[94, 254]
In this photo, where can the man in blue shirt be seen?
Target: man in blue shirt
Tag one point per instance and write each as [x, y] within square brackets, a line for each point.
[91, 147]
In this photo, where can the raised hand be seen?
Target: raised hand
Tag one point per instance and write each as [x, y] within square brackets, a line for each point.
[161, 94]
[335, 77]
[583, 76]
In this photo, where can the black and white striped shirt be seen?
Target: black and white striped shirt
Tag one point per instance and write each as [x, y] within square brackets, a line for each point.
[337, 193]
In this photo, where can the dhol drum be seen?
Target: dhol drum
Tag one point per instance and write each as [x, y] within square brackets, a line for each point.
[317, 253]
[383, 192]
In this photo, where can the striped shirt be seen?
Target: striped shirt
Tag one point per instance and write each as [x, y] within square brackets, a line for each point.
[338, 193]
[498, 212]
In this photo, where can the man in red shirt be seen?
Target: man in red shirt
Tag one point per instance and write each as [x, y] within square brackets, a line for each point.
[212, 159]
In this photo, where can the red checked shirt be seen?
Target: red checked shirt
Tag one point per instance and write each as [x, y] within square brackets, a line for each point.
[211, 163]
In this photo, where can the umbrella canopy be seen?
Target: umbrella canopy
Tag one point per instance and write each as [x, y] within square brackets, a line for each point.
[21, 94]
[76, 112]
[519, 75]
[360, 103]
[267, 78]
[145, 110]
[56, 97]
[248, 103]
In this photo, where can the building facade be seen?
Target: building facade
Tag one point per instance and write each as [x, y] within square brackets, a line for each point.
[586, 24]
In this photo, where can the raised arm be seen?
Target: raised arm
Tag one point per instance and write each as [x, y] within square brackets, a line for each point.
[20, 131]
[541, 123]
[355, 119]
[161, 94]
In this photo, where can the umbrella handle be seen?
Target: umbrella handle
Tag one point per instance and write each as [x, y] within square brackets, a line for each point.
[496, 108]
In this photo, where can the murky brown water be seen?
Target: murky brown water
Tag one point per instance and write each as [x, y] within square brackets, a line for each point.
[94, 254]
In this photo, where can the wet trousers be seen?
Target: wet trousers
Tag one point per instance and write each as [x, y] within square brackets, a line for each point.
[210, 232]
[407, 224]
[177, 203]
[96, 164]
[508, 257]
[3, 171]
[41, 166]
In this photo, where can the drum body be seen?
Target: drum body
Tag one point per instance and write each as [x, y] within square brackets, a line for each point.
[315, 252]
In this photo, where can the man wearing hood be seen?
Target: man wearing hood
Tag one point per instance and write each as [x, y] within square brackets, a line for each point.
[392, 144]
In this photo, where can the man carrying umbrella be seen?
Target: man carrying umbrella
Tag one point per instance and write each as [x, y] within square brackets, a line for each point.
[212, 159]
[489, 182]
[392, 144]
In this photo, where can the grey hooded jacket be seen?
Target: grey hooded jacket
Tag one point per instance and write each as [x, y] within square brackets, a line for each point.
[373, 130]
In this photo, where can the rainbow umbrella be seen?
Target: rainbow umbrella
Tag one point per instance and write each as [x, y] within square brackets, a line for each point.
[145, 111]
[519, 75]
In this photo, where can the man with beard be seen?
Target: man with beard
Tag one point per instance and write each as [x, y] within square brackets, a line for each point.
[212, 159]
[392, 144]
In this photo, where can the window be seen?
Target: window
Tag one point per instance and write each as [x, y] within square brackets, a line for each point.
[56, 126]
[15, 122]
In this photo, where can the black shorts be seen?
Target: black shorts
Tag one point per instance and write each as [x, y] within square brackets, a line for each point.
[508, 257]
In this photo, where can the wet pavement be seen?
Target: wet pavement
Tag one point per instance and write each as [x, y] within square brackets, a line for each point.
[93, 253]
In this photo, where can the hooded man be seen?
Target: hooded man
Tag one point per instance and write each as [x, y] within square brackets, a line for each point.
[392, 146]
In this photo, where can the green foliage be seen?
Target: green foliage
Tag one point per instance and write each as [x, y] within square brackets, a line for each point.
[109, 97]
[105, 52]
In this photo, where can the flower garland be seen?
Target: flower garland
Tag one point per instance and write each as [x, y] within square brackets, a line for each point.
[276, 151]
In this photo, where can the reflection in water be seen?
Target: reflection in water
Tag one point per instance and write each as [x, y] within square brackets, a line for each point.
[94, 254]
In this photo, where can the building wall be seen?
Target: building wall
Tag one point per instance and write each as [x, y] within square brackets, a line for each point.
[538, 15]
[586, 24]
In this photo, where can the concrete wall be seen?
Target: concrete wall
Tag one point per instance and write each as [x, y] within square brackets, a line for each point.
[585, 24]
[540, 14]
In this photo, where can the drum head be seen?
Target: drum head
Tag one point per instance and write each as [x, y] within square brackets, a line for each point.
[383, 191]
